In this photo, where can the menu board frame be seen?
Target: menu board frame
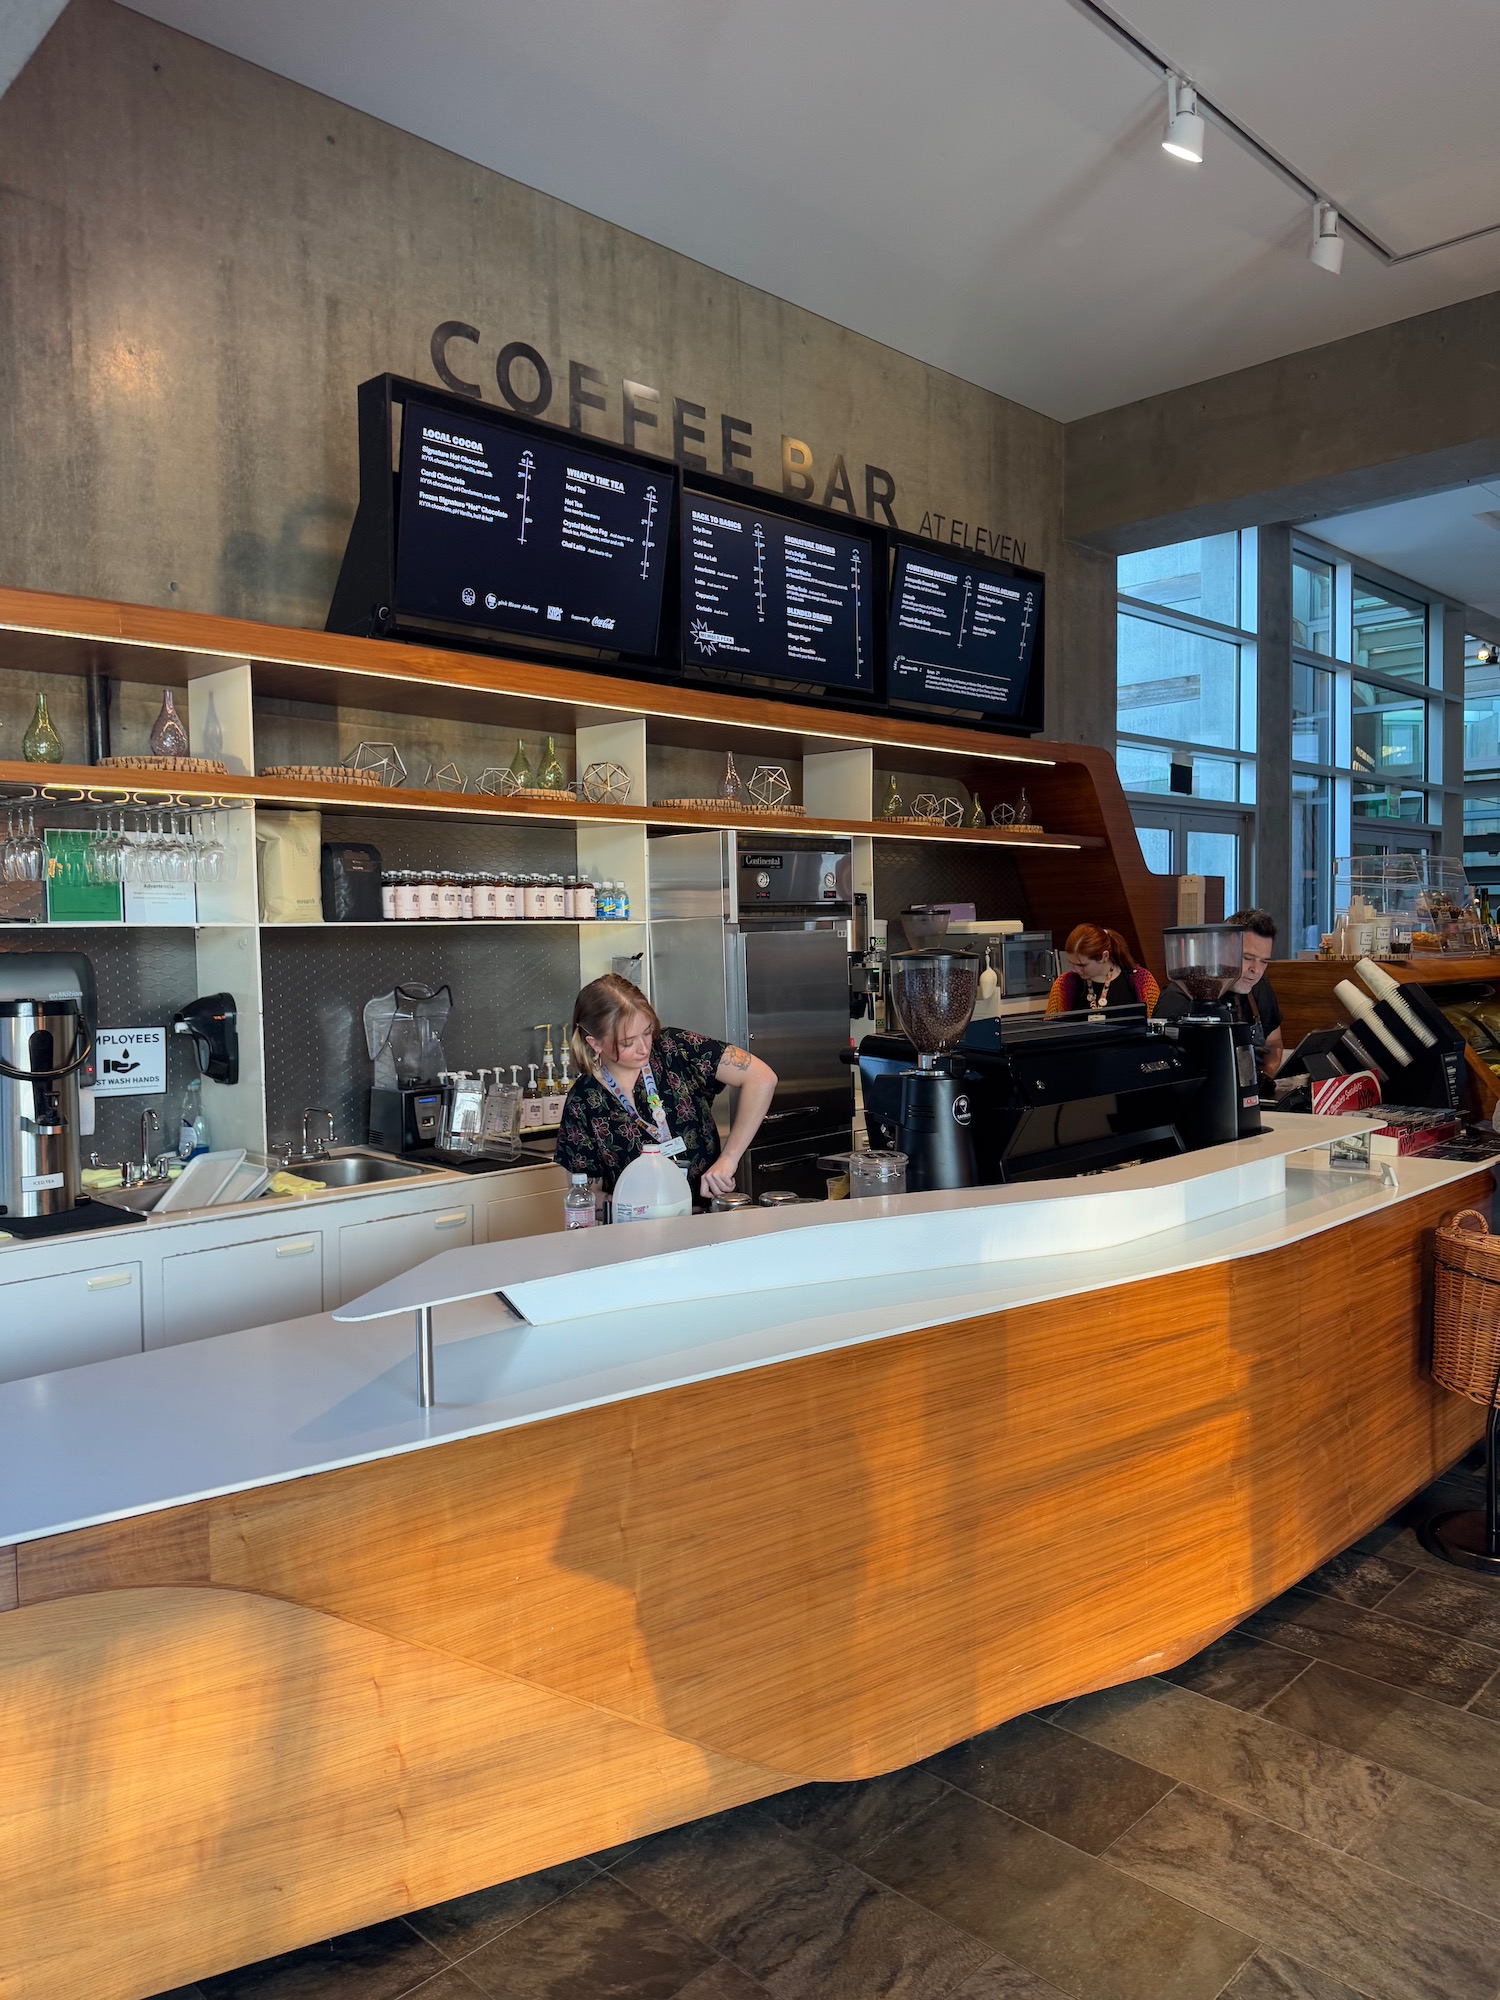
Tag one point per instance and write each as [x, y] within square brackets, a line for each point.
[819, 520]
[367, 598]
[1028, 719]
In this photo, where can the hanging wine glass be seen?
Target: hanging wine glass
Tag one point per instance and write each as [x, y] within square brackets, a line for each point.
[212, 855]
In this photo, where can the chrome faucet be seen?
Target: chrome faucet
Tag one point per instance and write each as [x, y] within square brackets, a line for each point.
[317, 1111]
[129, 1171]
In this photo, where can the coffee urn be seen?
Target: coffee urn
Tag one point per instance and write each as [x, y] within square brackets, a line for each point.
[45, 1047]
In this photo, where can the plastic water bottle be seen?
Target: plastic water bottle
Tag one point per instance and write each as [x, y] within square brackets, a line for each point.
[622, 903]
[651, 1188]
[578, 1203]
[192, 1132]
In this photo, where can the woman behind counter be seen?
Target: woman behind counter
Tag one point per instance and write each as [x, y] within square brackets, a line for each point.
[1101, 973]
[641, 1084]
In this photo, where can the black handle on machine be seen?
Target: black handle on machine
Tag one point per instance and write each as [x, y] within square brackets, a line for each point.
[50, 1075]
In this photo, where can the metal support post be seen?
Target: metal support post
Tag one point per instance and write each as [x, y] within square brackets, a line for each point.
[425, 1394]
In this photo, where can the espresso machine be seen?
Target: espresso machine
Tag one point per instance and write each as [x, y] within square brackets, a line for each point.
[1203, 961]
[46, 1052]
[933, 993]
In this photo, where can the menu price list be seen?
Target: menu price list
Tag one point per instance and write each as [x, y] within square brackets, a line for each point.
[960, 635]
[765, 595]
[502, 529]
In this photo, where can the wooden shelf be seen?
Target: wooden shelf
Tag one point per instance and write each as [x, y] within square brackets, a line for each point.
[47, 633]
[72, 778]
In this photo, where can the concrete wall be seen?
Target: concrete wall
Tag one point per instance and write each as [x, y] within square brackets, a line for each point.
[199, 261]
[1405, 409]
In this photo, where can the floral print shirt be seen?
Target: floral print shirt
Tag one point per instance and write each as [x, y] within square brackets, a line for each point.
[599, 1138]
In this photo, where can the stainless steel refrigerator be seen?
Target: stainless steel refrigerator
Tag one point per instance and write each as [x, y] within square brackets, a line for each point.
[750, 943]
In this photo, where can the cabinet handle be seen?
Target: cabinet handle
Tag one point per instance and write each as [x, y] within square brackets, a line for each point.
[303, 1249]
[453, 1221]
[110, 1282]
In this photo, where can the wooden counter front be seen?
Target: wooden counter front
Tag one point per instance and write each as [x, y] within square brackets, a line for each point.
[260, 1720]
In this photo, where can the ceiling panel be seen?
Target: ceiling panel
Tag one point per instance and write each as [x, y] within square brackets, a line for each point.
[980, 186]
[1388, 105]
[1448, 541]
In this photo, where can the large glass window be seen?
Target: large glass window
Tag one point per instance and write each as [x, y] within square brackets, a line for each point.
[1199, 579]
[1312, 604]
[1388, 802]
[1312, 714]
[1388, 732]
[1145, 769]
[1312, 859]
[1178, 684]
[1390, 633]
[1481, 706]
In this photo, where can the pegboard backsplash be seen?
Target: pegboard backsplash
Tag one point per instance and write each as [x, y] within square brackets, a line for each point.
[460, 846]
[910, 871]
[317, 983]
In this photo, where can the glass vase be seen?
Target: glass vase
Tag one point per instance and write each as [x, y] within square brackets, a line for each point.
[894, 807]
[549, 774]
[520, 767]
[730, 787]
[41, 744]
[169, 737]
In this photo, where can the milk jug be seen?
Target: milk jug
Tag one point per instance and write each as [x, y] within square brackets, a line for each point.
[651, 1188]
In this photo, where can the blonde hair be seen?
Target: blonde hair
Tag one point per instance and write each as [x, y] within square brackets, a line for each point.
[601, 1010]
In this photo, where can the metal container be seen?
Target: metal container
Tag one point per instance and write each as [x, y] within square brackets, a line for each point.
[780, 1198]
[43, 1046]
[721, 1203]
[876, 1173]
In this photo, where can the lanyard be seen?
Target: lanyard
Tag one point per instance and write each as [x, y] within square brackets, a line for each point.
[663, 1131]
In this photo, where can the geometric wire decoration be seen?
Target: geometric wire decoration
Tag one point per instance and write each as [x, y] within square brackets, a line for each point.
[939, 812]
[605, 784]
[770, 788]
[444, 778]
[499, 781]
[383, 758]
[1017, 815]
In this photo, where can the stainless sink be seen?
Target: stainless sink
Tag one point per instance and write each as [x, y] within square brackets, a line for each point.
[356, 1169]
[140, 1200]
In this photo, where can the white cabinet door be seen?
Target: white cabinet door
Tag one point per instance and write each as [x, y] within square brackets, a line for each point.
[48, 1323]
[535, 1212]
[240, 1284]
[371, 1252]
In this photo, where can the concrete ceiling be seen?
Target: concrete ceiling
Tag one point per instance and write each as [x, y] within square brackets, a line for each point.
[981, 186]
[1448, 541]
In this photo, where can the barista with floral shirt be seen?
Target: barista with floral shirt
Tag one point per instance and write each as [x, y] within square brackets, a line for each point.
[641, 1084]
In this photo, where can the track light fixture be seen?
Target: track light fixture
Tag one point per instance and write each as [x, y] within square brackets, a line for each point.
[1486, 655]
[1327, 247]
[1183, 138]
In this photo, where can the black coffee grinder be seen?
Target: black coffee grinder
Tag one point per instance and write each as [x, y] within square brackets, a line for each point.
[1204, 961]
[933, 993]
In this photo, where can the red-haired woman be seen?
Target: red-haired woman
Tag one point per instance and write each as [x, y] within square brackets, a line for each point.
[1101, 973]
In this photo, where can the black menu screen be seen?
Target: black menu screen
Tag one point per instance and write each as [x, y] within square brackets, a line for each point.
[508, 532]
[961, 636]
[763, 594]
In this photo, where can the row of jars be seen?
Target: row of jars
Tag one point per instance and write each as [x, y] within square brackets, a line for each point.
[418, 895]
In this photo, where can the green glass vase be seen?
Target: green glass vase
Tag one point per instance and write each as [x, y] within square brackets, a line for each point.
[41, 744]
[520, 768]
[549, 775]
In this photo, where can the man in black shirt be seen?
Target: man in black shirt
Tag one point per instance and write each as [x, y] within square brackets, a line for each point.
[1250, 998]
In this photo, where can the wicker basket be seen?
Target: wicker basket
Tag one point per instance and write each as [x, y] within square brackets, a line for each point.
[1466, 1308]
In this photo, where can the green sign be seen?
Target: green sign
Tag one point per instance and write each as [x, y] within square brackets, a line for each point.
[74, 893]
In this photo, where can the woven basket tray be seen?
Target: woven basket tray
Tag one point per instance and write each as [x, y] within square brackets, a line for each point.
[737, 808]
[1466, 1307]
[200, 767]
[324, 774]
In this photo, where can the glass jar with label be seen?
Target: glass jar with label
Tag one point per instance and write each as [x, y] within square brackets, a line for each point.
[583, 899]
[408, 907]
[447, 898]
[466, 898]
[557, 897]
[533, 896]
[486, 898]
[429, 904]
[507, 896]
[388, 894]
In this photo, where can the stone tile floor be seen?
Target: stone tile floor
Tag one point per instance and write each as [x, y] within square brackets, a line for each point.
[1309, 1810]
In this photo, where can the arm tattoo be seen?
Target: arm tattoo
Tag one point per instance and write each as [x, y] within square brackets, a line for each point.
[737, 1058]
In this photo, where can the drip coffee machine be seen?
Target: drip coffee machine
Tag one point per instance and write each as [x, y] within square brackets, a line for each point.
[1203, 961]
[933, 993]
[46, 1054]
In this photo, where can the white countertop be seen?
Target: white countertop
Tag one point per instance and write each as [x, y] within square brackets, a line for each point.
[130, 1436]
